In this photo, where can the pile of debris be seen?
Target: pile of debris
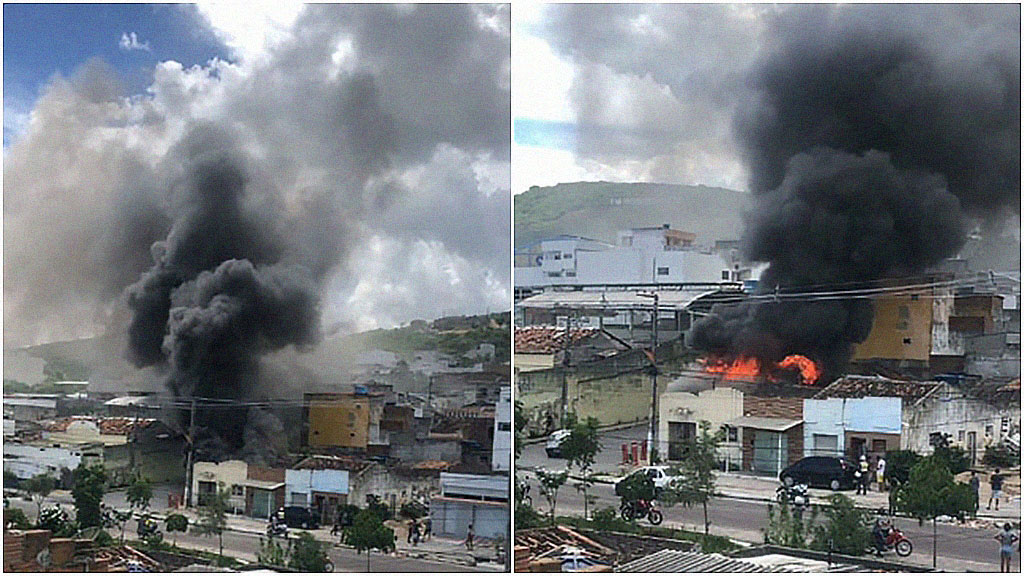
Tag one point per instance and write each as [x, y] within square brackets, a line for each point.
[547, 549]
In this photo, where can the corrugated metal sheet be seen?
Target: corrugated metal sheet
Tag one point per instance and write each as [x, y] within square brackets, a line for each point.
[676, 561]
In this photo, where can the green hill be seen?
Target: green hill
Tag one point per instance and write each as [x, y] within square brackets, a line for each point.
[599, 210]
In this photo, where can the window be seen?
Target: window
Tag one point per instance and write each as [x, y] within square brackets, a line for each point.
[960, 436]
[732, 434]
[725, 274]
[904, 319]
[558, 256]
[567, 256]
[663, 271]
[504, 427]
[988, 430]
[237, 490]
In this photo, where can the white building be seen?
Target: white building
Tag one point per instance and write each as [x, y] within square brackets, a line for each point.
[501, 449]
[471, 499]
[28, 460]
[313, 488]
[210, 477]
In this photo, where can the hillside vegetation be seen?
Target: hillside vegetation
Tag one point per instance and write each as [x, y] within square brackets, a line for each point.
[599, 210]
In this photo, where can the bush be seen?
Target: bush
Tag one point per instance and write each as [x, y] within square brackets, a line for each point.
[846, 529]
[527, 517]
[1001, 456]
[57, 521]
[103, 539]
[954, 457]
[413, 509]
[15, 518]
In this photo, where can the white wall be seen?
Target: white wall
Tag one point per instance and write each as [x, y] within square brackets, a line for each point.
[501, 449]
[717, 406]
[300, 484]
[836, 416]
[26, 460]
[227, 475]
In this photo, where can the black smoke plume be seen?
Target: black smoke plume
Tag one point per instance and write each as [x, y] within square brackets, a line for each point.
[226, 287]
[876, 135]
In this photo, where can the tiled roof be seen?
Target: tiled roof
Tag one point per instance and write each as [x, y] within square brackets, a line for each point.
[325, 462]
[879, 386]
[113, 426]
[548, 339]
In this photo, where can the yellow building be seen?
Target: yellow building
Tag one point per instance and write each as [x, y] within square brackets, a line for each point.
[902, 329]
[340, 420]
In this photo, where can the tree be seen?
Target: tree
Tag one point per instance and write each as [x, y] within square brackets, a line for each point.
[786, 528]
[695, 477]
[580, 448]
[38, 488]
[846, 530]
[11, 479]
[57, 521]
[520, 427]
[89, 485]
[213, 516]
[176, 523]
[931, 492]
[550, 482]
[120, 518]
[636, 486]
[272, 553]
[139, 493]
[308, 555]
[367, 533]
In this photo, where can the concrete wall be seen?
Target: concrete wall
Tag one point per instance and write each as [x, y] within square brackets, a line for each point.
[339, 422]
[451, 517]
[26, 460]
[390, 486]
[501, 449]
[300, 485]
[864, 417]
[952, 413]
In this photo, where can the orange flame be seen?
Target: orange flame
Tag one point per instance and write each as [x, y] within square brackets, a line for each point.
[809, 371]
[746, 368]
[743, 368]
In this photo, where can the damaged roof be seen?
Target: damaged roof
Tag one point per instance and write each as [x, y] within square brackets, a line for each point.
[548, 339]
[877, 386]
[110, 426]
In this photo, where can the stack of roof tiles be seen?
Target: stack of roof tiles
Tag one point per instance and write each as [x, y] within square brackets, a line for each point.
[548, 339]
[113, 426]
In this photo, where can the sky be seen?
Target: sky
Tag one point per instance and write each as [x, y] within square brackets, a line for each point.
[333, 104]
[632, 92]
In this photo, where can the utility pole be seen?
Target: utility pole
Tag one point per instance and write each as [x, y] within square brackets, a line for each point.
[652, 431]
[565, 370]
[191, 449]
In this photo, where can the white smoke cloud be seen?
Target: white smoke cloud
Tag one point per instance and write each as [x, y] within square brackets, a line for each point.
[340, 109]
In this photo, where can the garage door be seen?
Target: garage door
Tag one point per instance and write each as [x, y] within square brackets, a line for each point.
[826, 445]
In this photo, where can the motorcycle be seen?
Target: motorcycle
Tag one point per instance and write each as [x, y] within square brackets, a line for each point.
[795, 495]
[149, 530]
[277, 528]
[896, 540]
[639, 509]
[524, 494]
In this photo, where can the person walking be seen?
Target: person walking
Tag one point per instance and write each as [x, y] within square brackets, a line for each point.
[975, 483]
[427, 528]
[996, 481]
[880, 472]
[408, 535]
[1007, 538]
[415, 532]
[469, 538]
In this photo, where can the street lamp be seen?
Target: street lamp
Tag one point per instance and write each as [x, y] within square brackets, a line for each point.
[652, 431]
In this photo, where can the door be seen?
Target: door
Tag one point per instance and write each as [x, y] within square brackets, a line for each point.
[972, 446]
[262, 502]
[679, 436]
[770, 452]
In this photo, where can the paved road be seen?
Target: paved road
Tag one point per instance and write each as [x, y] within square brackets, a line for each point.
[959, 548]
[246, 545]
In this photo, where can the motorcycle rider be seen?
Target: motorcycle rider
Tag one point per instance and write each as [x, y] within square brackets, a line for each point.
[880, 531]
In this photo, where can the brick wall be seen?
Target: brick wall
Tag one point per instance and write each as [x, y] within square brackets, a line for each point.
[773, 407]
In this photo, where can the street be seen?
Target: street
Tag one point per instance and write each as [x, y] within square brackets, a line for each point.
[245, 545]
[959, 548]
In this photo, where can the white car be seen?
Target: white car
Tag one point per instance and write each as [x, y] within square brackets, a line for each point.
[554, 445]
[660, 475]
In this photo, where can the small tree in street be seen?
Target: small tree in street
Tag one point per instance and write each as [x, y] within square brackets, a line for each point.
[550, 483]
[308, 555]
[139, 493]
[787, 528]
[846, 530]
[87, 491]
[213, 516]
[931, 492]
[38, 488]
[695, 481]
[57, 521]
[367, 533]
[581, 448]
[120, 519]
[176, 523]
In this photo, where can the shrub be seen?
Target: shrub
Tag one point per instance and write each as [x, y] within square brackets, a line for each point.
[413, 509]
[898, 464]
[527, 517]
[1001, 456]
[15, 518]
[954, 457]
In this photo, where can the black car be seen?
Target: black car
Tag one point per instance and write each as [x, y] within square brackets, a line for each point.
[821, 472]
[299, 517]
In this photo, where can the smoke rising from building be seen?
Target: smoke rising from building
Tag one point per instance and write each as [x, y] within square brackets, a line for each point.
[875, 137]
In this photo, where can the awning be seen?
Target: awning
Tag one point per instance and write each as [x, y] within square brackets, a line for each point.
[761, 423]
[264, 484]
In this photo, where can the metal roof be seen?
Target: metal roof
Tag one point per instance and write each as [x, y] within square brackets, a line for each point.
[614, 300]
[762, 423]
[263, 484]
[677, 561]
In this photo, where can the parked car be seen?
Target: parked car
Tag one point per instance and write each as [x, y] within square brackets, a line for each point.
[299, 517]
[660, 475]
[821, 472]
[554, 445]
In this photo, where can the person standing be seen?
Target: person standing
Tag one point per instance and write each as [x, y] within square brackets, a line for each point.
[1007, 538]
[427, 528]
[996, 481]
[469, 537]
[975, 483]
[880, 473]
[865, 475]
